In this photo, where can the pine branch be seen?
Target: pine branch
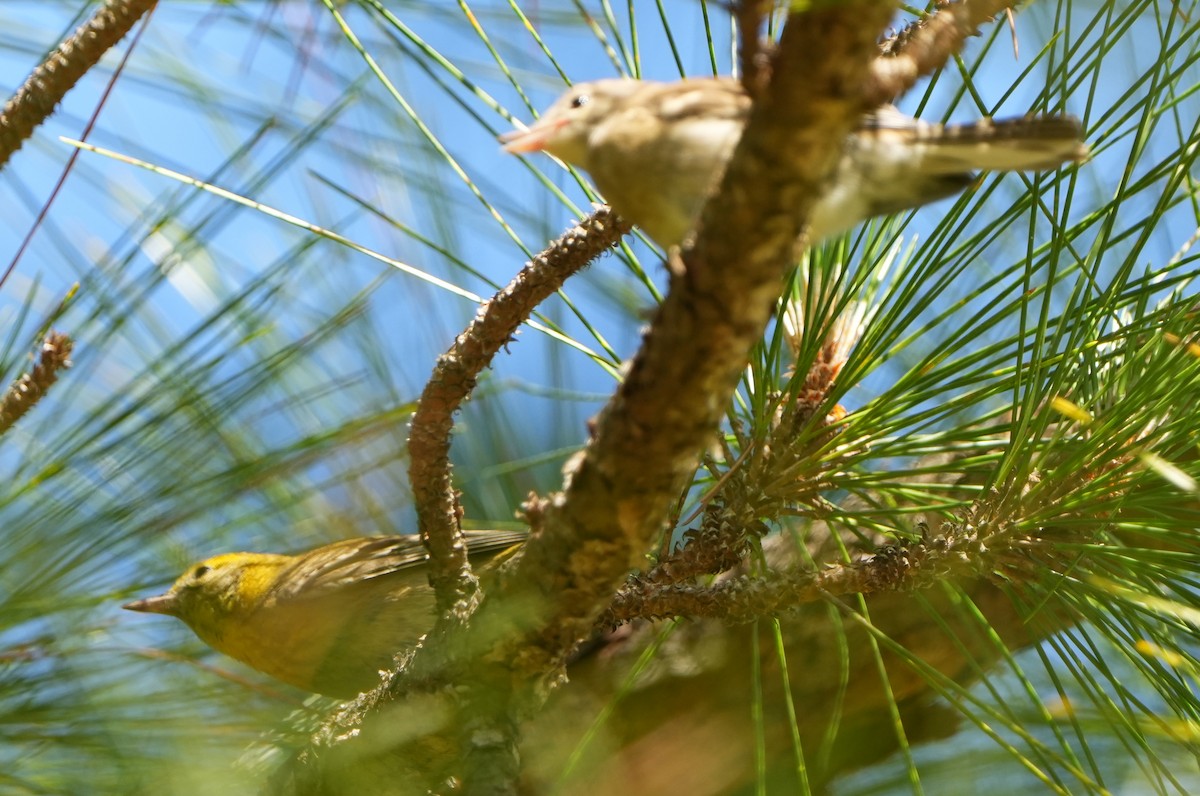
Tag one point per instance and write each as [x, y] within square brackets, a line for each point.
[33, 386]
[53, 78]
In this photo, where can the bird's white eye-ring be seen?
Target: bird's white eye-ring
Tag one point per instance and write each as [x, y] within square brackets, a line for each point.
[581, 100]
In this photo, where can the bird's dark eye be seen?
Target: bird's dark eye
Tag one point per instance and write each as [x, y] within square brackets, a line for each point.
[200, 571]
[581, 100]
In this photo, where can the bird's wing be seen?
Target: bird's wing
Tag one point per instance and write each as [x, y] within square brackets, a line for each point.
[354, 561]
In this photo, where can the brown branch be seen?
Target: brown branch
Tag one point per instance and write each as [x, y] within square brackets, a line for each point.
[746, 598]
[53, 78]
[454, 378]
[751, 58]
[32, 386]
[985, 541]
[924, 46]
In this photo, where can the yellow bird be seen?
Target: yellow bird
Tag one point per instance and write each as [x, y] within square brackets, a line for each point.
[328, 620]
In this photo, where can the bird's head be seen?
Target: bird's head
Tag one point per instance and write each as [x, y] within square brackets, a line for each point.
[563, 129]
[217, 590]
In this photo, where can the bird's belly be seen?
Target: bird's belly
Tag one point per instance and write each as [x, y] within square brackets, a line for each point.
[838, 210]
[335, 649]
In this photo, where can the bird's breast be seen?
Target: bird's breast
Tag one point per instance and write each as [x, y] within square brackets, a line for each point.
[657, 174]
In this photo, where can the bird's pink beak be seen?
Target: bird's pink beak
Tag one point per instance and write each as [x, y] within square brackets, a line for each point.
[533, 139]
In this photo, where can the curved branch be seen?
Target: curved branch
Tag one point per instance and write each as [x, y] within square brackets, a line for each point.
[454, 378]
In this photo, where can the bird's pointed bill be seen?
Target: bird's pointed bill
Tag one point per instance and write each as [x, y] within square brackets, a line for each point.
[531, 139]
[162, 604]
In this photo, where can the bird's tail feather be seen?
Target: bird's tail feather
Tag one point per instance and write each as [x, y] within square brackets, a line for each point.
[1021, 144]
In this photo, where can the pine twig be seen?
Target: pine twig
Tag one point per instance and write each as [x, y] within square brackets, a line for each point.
[32, 386]
[53, 78]
[924, 46]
